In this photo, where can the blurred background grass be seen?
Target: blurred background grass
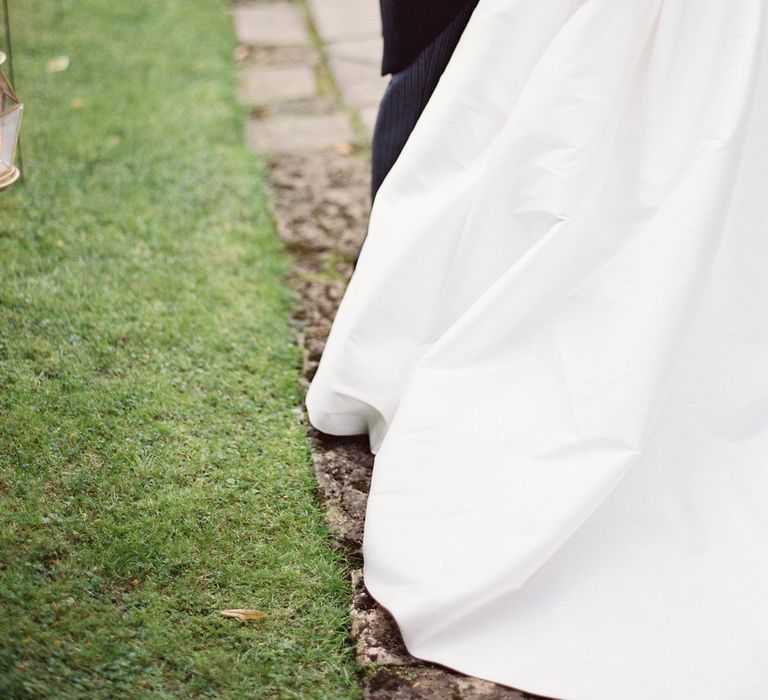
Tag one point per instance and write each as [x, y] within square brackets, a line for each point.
[152, 470]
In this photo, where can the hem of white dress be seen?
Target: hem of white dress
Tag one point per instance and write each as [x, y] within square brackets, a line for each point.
[528, 690]
[348, 425]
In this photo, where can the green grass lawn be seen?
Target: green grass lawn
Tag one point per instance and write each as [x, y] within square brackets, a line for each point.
[152, 470]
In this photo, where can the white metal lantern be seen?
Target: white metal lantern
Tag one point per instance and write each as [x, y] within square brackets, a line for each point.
[10, 123]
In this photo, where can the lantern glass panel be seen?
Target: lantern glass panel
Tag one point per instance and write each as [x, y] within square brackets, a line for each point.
[10, 122]
[9, 132]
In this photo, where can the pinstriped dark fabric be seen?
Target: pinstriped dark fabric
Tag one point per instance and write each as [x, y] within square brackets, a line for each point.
[408, 26]
[406, 96]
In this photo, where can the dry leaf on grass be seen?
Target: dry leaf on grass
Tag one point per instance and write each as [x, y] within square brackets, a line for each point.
[58, 64]
[243, 614]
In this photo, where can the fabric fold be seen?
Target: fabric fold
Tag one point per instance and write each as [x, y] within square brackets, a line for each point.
[556, 337]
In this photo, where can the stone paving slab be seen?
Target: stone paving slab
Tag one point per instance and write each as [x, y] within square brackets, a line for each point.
[270, 24]
[314, 105]
[286, 133]
[265, 84]
[346, 19]
[355, 65]
[367, 51]
[278, 55]
[357, 87]
[368, 117]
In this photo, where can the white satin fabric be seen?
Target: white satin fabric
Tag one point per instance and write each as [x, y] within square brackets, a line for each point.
[557, 338]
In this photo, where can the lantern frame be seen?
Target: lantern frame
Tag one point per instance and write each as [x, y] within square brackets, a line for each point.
[11, 108]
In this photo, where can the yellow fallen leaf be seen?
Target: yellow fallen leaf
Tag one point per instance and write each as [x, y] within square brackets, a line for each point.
[243, 614]
[58, 64]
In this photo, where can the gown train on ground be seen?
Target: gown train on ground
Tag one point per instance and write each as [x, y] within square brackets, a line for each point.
[556, 337]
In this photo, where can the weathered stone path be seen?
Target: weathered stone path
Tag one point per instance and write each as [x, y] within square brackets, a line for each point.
[309, 74]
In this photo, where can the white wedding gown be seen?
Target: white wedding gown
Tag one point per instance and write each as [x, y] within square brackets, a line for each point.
[556, 337]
